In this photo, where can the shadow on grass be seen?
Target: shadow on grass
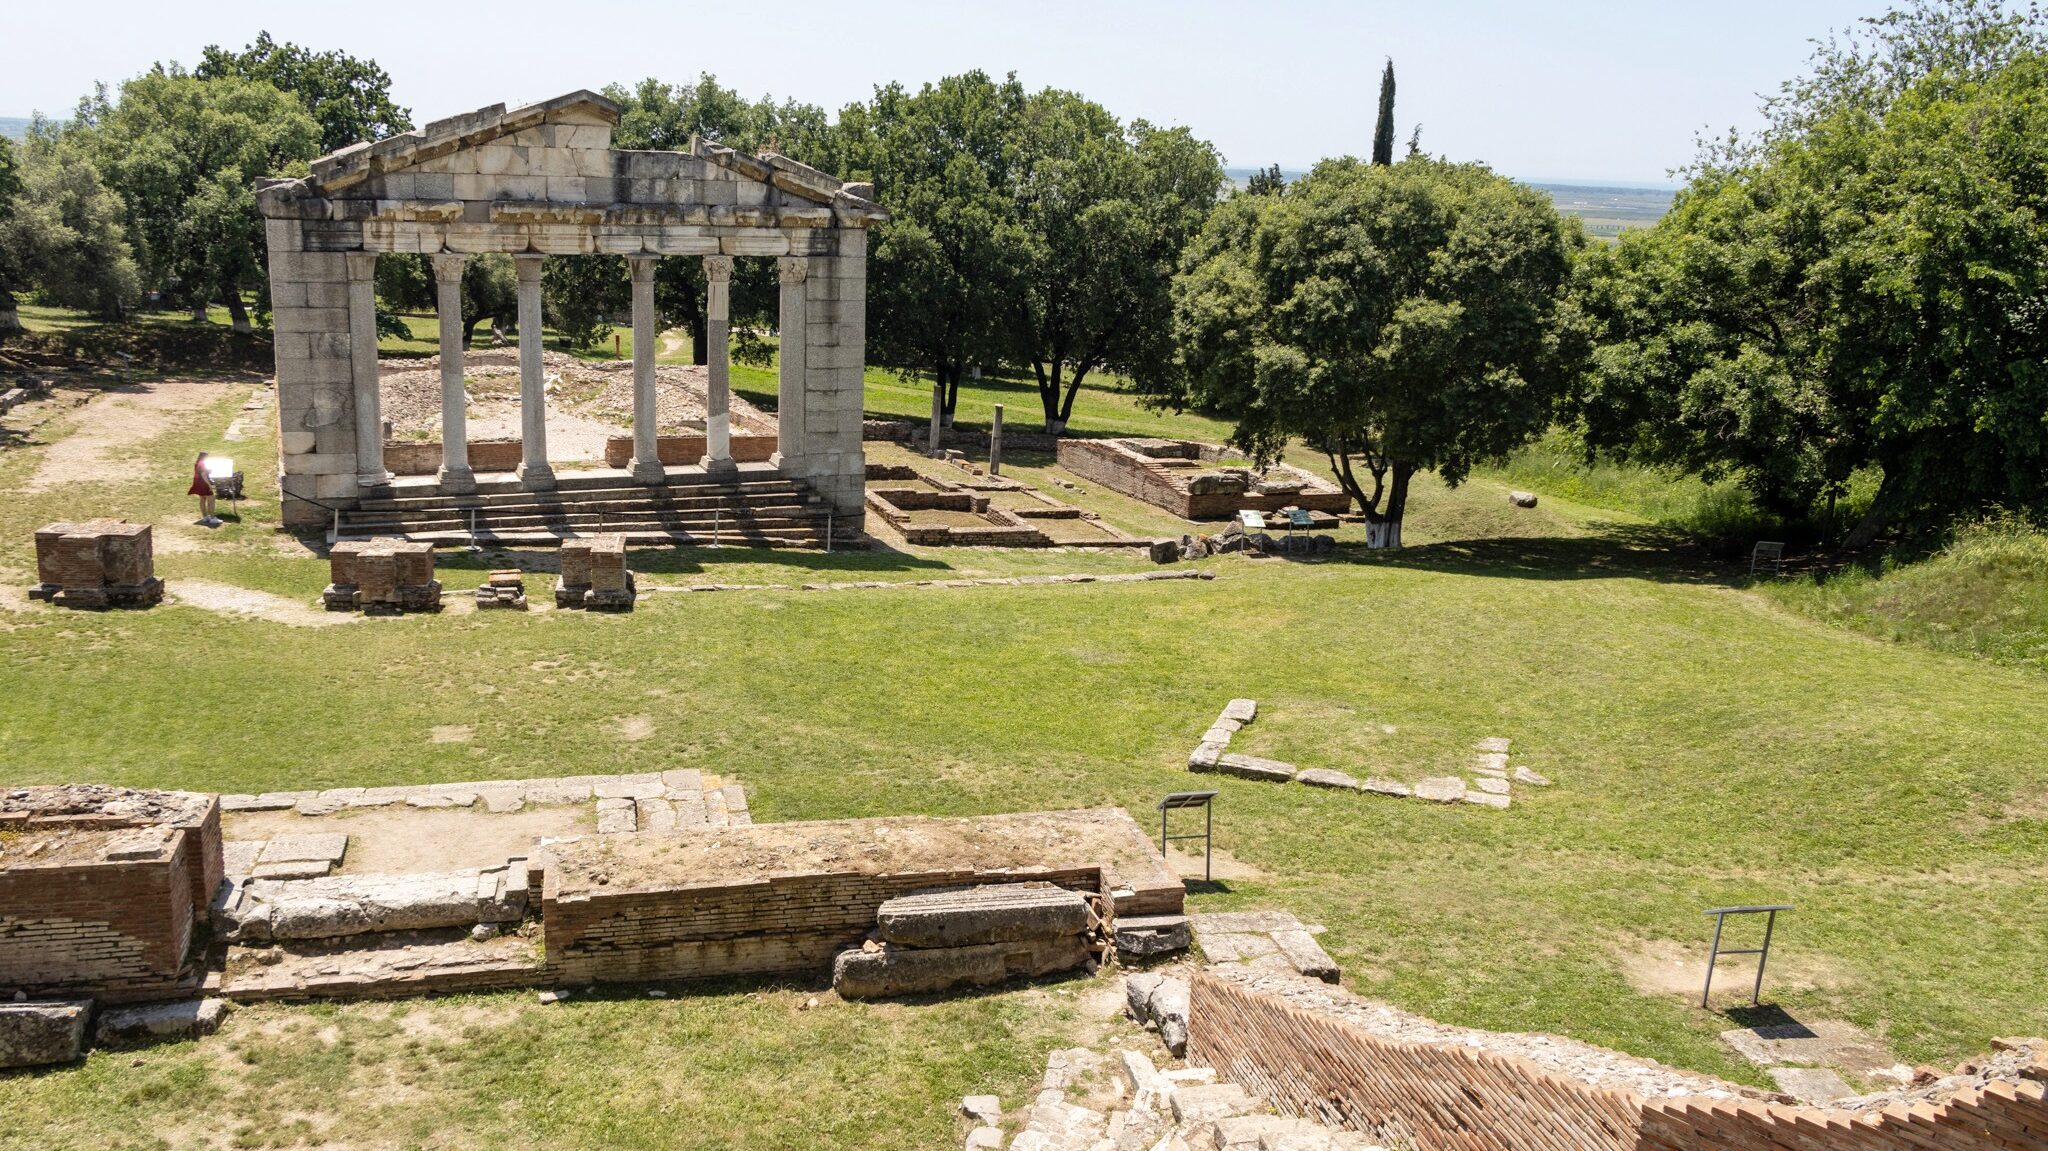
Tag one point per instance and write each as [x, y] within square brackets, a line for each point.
[1636, 551]
[816, 982]
[877, 557]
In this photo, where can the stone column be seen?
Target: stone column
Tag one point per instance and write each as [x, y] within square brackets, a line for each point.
[789, 400]
[362, 351]
[938, 418]
[995, 443]
[646, 341]
[534, 471]
[456, 478]
[718, 364]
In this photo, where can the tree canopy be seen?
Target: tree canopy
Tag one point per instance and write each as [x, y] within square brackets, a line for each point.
[1859, 289]
[349, 98]
[1396, 317]
[61, 232]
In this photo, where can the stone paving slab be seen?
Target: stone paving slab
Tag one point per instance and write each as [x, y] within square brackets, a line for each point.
[319, 847]
[1263, 938]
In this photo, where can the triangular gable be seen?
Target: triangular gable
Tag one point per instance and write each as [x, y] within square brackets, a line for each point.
[354, 163]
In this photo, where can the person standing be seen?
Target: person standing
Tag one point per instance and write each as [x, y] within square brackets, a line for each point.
[203, 488]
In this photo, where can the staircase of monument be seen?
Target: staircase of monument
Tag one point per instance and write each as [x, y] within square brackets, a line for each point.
[757, 508]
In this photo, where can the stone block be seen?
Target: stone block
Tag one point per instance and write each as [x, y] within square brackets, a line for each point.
[1487, 799]
[36, 1034]
[1218, 734]
[343, 905]
[617, 816]
[1441, 789]
[1492, 744]
[1524, 775]
[994, 913]
[1305, 955]
[1147, 935]
[159, 1022]
[1492, 786]
[322, 847]
[1378, 786]
[1206, 756]
[1324, 777]
[887, 970]
[1207, 1104]
[1253, 767]
[1241, 710]
[985, 1110]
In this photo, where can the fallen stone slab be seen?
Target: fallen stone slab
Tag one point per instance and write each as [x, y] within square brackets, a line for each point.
[44, 1032]
[1440, 789]
[1205, 756]
[1305, 955]
[992, 913]
[1206, 1104]
[1492, 744]
[1378, 786]
[984, 1110]
[1241, 710]
[1253, 767]
[159, 1022]
[1490, 763]
[293, 869]
[985, 1139]
[1487, 799]
[1145, 935]
[1492, 786]
[887, 971]
[321, 847]
[1814, 1086]
[1218, 735]
[256, 802]
[263, 910]
[1324, 777]
[1524, 775]
[1168, 1007]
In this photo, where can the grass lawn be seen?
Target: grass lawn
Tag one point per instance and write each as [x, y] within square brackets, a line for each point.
[1709, 745]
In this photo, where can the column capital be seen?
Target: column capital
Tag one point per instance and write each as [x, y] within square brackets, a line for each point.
[527, 266]
[448, 266]
[643, 267]
[717, 268]
[361, 265]
[792, 269]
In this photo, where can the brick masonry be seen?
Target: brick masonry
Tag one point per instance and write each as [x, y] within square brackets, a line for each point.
[97, 902]
[96, 564]
[1439, 1096]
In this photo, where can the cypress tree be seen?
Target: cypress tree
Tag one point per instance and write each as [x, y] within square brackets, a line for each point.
[1383, 135]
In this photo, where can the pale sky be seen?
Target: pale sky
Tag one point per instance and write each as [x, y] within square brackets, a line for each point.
[1540, 89]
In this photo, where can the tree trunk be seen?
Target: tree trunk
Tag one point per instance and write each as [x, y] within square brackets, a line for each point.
[199, 312]
[1049, 396]
[1874, 521]
[1383, 529]
[1067, 404]
[10, 318]
[700, 337]
[949, 375]
[238, 313]
[469, 329]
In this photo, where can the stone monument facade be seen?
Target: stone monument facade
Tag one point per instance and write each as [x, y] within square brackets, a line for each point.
[543, 182]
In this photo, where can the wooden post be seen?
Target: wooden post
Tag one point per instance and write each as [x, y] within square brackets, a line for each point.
[995, 443]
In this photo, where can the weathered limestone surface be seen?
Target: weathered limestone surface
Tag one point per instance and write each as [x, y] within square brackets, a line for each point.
[1254, 767]
[265, 909]
[34, 1034]
[159, 1022]
[1324, 777]
[993, 913]
[888, 970]
[1146, 935]
[1441, 789]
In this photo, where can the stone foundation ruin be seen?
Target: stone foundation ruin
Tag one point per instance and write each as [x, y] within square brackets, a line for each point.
[381, 575]
[1170, 474]
[594, 574]
[97, 564]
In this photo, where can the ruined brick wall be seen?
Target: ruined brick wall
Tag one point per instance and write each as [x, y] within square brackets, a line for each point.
[782, 924]
[1443, 1097]
[424, 458]
[1123, 471]
[688, 451]
[114, 930]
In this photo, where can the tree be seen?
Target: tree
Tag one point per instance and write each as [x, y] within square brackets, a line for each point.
[1394, 317]
[183, 153]
[490, 291]
[1859, 288]
[580, 296]
[1266, 182]
[61, 234]
[940, 269]
[349, 98]
[1383, 132]
[10, 189]
[1105, 213]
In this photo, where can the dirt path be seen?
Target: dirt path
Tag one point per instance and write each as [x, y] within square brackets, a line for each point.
[101, 448]
[230, 600]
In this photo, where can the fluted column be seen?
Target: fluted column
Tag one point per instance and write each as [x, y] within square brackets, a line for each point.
[455, 474]
[534, 471]
[789, 401]
[718, 364]
[362, 350]
[646, 341]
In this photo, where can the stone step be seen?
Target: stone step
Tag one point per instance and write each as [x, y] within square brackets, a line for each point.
[733, 491]
[598, 519]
